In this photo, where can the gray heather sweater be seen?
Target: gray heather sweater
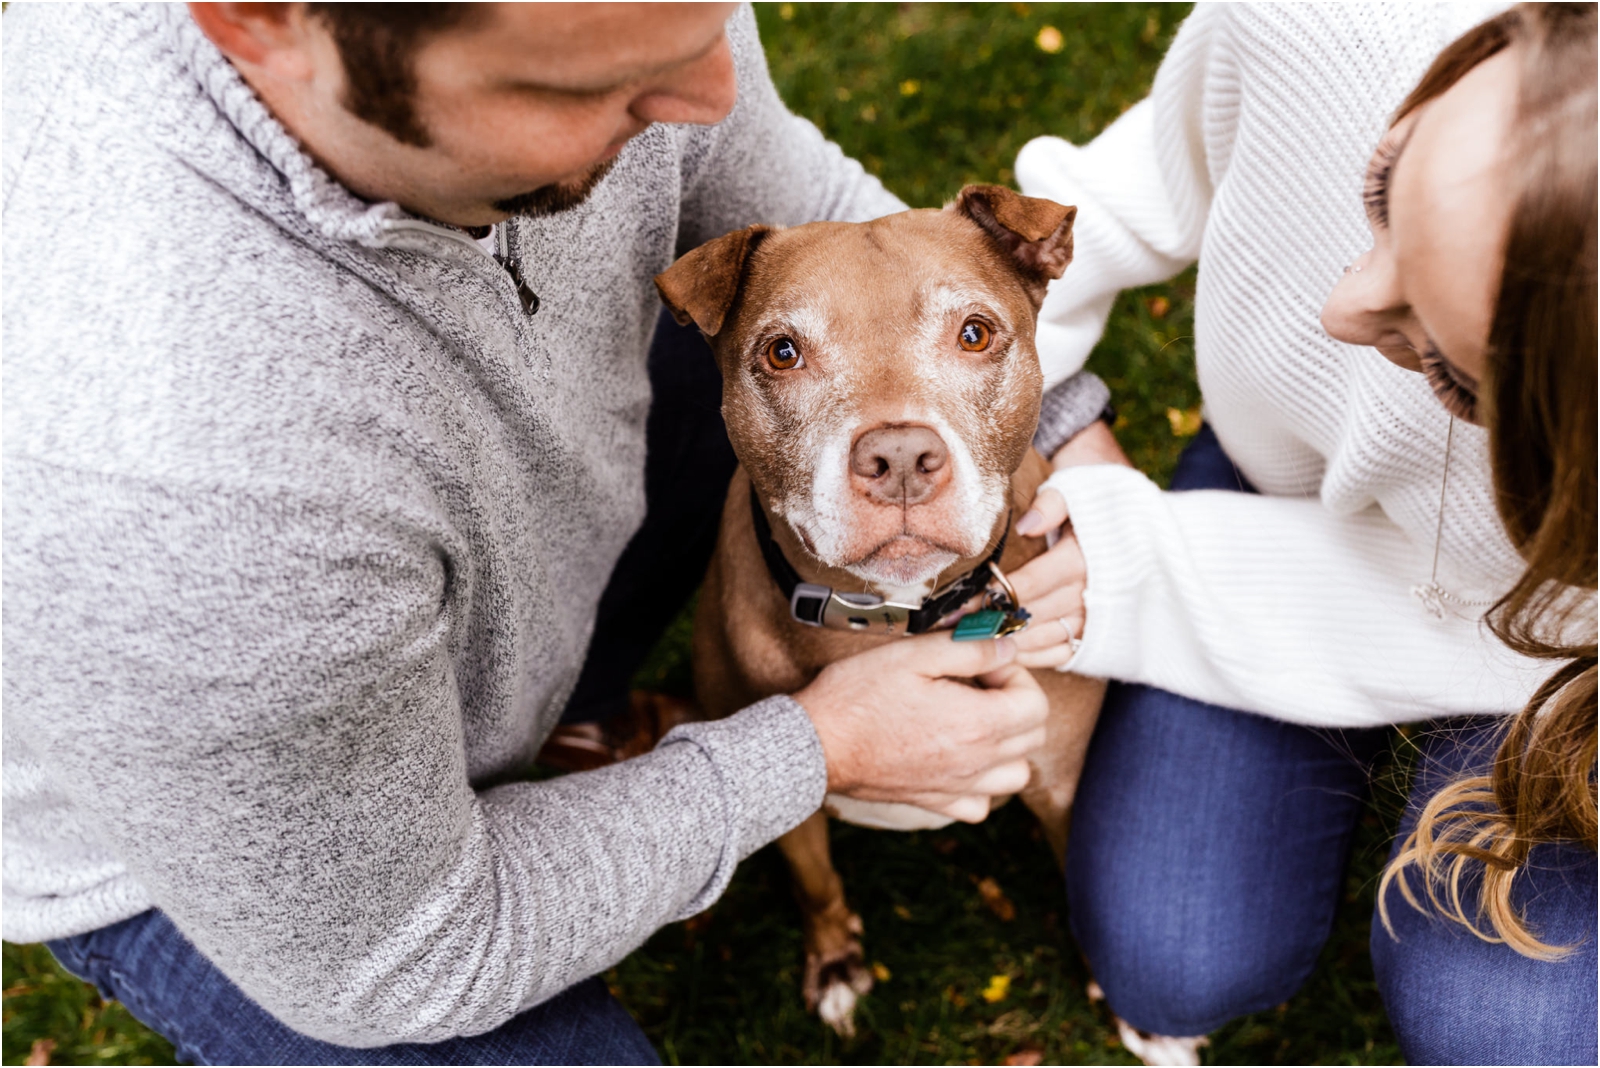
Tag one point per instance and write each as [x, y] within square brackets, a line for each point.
[305, 523]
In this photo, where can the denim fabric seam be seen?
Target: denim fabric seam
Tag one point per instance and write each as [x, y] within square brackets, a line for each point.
[171, 1030]
[91, 965]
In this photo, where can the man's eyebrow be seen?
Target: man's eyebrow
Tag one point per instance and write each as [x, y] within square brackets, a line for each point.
[530, 85]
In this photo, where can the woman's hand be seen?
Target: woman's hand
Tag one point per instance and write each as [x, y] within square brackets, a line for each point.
[1051, 588]
[1051, 585]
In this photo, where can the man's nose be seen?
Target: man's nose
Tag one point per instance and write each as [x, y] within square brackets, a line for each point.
[900, 465]
[702, 92]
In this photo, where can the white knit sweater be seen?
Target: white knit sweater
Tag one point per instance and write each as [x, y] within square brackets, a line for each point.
[1249, 156]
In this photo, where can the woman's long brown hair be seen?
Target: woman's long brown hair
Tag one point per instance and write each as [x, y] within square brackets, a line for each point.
[1538, 401]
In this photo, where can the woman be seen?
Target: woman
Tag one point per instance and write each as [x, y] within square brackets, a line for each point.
[1266, 634]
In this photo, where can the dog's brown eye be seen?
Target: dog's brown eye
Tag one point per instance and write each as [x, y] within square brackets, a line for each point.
[783, 354]
[975, 335]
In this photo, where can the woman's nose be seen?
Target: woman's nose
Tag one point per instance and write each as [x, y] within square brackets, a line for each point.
[1366, 306]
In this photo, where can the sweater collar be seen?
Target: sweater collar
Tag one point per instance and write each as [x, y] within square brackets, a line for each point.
[326, 204]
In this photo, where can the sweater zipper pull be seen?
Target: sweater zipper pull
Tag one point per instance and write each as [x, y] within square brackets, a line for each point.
[525, 293]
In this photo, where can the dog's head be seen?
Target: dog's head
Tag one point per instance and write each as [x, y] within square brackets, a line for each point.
[880, 382]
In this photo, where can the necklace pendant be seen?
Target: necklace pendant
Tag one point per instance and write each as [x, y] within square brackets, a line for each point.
[1432, 595]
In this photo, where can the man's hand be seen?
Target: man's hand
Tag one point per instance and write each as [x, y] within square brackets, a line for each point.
[897, 725]
[1051, 585]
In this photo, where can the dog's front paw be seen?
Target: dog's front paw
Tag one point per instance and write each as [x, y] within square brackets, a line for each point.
[836, 975]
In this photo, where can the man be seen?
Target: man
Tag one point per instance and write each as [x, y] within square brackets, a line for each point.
[325, 421]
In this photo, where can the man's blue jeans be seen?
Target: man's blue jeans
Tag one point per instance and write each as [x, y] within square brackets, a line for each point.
[1207, 857]
[149, 966]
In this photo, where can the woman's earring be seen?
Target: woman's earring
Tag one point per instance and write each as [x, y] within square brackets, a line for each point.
[1351, 268]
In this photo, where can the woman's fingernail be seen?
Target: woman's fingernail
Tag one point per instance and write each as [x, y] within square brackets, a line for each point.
[1031, 523]
[1005, 649]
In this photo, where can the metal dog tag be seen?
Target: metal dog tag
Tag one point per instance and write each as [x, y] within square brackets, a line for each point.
[977, 626]
[1000, 615]
[989, 623]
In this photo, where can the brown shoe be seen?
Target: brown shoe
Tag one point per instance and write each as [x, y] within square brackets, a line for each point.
[586, 746]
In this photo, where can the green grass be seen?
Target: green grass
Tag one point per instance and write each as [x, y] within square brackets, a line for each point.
[44, 1006]
[724, 988]
[929, 97]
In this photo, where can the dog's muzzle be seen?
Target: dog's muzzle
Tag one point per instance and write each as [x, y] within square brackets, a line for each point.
[865, 613]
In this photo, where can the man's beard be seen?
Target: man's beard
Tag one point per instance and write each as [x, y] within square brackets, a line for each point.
[558, 196]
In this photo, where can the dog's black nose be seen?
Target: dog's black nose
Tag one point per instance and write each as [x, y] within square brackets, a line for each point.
[902, 465]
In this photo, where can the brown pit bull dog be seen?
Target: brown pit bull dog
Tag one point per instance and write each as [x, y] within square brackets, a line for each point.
[881, 389]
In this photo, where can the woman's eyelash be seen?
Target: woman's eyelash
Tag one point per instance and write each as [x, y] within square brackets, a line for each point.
[1375, 191]
[1458, 399]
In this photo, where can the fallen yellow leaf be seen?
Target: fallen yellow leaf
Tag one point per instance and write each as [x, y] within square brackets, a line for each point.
[999, 986]
[1185, 424]
[880, 972]
[910, 87]
[1049, 40]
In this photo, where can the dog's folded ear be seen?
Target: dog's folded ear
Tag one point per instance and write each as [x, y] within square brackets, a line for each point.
[1036, 233]
[702, 285]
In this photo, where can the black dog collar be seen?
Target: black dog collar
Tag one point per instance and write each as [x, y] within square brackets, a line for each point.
[821, 606]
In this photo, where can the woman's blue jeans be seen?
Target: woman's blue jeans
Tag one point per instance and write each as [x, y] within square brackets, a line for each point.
[1207, 858]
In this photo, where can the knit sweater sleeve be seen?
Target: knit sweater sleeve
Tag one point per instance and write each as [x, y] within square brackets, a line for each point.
[1274, 606]
[1142, 189]
[257, 700]
[764, 164]
[1295, 603]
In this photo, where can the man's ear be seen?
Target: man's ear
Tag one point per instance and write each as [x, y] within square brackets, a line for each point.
[269, 37]
[701, 287]
[1036, 233]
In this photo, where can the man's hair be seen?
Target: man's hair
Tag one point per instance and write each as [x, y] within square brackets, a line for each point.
[377, 44]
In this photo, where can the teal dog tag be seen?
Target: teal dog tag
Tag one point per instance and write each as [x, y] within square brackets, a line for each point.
[978, 626]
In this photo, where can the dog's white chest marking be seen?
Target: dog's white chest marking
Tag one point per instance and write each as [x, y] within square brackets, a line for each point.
[884, 815]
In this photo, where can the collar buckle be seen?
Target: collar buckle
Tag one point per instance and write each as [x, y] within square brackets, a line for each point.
[863, 613]
[816, 605]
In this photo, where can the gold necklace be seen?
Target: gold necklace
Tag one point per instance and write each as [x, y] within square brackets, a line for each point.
[1433, 596]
